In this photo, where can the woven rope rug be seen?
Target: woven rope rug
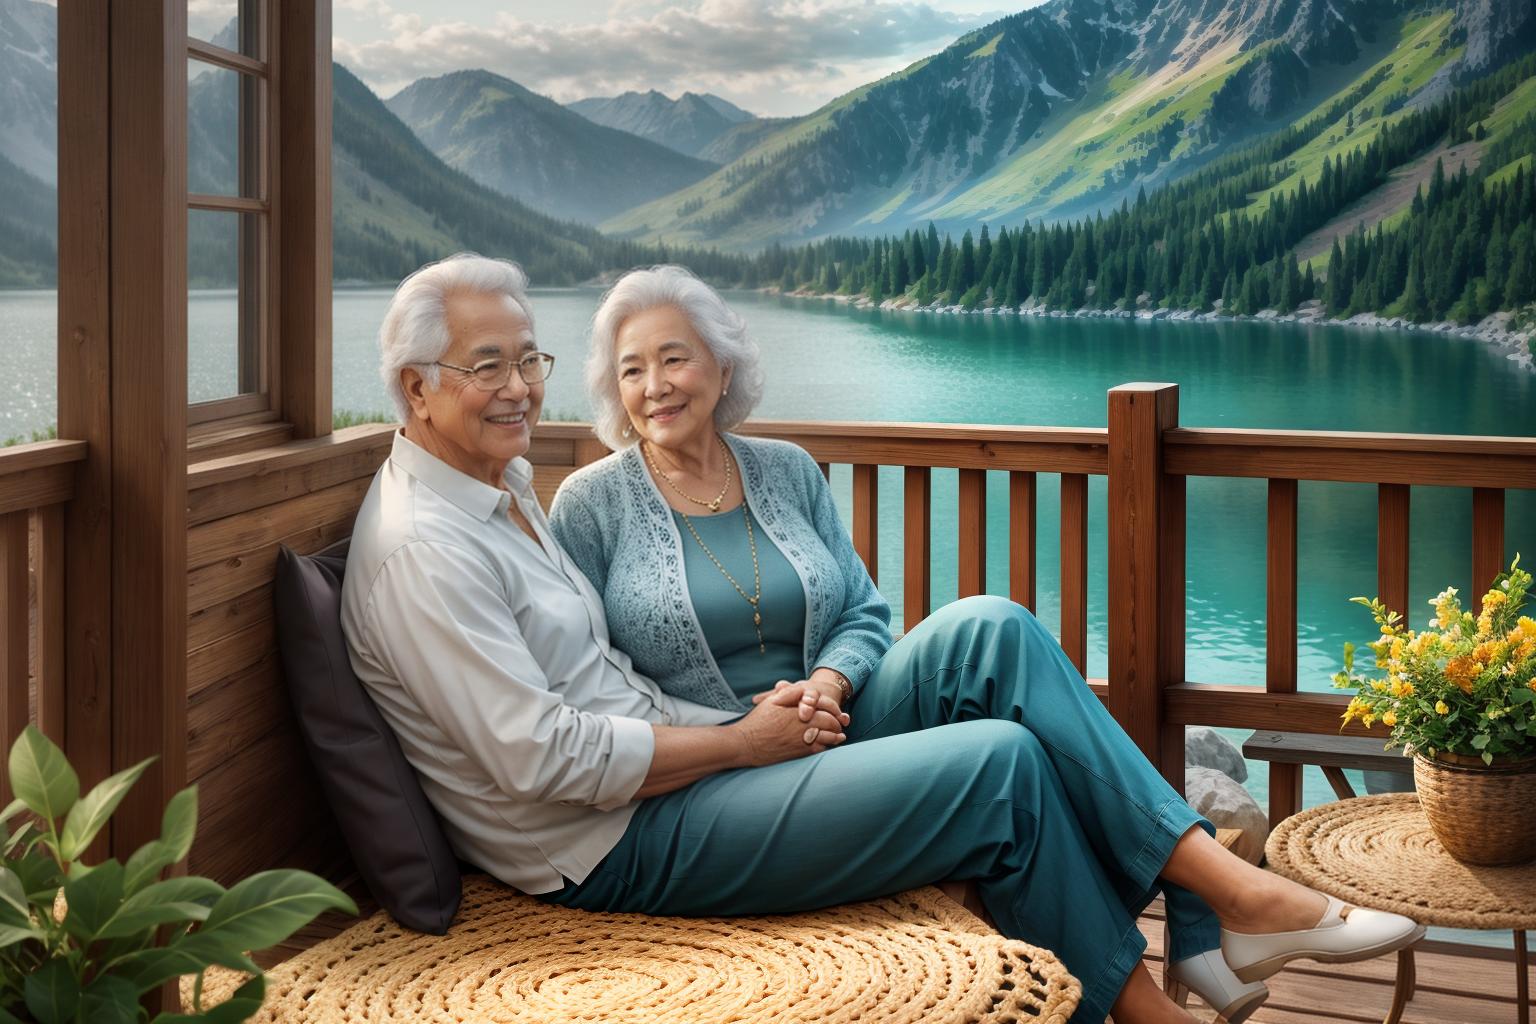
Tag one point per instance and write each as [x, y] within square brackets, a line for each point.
[915, 957]
[1378, 851]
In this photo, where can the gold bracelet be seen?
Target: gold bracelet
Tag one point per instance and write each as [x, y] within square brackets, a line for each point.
[843, 685]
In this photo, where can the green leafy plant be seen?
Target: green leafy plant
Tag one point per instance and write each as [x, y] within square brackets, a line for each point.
[82, 944]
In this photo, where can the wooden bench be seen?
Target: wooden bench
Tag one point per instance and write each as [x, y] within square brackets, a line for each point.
[1333, 754]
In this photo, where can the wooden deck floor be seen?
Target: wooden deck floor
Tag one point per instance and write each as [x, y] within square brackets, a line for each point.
[1452, 988]
[1456, 984]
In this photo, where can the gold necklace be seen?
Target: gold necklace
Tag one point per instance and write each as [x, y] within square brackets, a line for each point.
[757, 577]
[713, 506]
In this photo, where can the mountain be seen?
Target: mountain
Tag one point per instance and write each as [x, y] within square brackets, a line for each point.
[395, 205]
[1071, 107]
[741, 137]
[688, 124]
[29, 46]
[532, 149]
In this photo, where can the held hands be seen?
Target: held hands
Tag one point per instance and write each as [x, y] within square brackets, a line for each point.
[791, 721]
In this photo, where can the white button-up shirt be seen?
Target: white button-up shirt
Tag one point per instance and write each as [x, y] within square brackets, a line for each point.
[488, 655]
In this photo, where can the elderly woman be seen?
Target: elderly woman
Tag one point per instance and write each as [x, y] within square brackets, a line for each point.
[974, 750]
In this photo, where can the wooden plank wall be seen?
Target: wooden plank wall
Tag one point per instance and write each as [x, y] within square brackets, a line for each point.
[260, 805]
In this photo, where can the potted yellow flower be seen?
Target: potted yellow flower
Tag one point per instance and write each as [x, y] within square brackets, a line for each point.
[1461, 696]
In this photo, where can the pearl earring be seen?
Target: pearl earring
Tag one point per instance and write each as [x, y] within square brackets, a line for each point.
[629, 430]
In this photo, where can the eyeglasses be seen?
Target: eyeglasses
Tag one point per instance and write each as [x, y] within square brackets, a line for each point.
[493, 374]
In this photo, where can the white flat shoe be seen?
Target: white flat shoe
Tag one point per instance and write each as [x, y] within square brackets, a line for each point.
[1209, 977]
[1338, 938]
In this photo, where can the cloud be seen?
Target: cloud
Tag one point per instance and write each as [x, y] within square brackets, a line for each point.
[780, 56]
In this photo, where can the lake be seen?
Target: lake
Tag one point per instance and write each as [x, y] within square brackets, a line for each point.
[827, 361]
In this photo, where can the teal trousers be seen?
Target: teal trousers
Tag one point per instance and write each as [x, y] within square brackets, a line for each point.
[976, 751]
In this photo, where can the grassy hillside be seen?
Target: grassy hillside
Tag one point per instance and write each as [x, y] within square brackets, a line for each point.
[1424, 210]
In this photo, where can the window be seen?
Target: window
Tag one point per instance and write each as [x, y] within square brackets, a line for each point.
[230, 184]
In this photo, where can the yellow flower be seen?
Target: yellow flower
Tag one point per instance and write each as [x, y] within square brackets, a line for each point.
[1389, 718]
[1462, 672]
[1441, 708]
[1379, 685]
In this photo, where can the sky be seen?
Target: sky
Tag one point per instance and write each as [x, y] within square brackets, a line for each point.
[771, 57]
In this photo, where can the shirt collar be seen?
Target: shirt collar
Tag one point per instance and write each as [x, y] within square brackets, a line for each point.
[475, 497]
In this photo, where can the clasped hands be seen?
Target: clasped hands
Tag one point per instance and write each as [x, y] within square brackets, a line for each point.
[794, 719]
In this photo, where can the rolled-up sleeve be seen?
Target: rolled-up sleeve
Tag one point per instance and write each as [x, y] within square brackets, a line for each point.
[438, 622]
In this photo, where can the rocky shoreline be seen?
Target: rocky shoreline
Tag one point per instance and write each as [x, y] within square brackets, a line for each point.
[1494, 330]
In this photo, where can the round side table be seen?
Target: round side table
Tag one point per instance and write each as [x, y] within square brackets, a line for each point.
[1378, 852]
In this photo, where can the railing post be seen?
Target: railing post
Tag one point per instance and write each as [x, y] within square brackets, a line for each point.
[1146, 570]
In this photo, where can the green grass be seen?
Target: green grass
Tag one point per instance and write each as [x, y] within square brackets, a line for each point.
[1413, 61]
[49, 433]
[1095, 135]
[988, 50]
[1507, 173]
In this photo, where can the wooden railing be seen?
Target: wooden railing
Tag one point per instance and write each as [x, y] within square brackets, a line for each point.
[1147, 458]
[237, 508]
[36, 480]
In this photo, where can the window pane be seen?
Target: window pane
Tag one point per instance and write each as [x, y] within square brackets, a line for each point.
[224, 269]
[223, 131]
[29, 219]
[233, 24]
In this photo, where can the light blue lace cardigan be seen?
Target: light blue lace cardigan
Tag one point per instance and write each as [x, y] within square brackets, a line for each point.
[613, 522]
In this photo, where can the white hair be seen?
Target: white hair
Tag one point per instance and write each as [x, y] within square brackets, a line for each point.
[415, 328]
[720, 327]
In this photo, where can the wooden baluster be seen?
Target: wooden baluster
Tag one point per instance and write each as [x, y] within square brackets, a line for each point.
[1021, 538]
[866, 514]
[1392, 546]
[1487, 539]
[1285, 795]
[14, 615]
[50, 622]
[917, 554]
[973, 532]
[826, 469]
[1074, 568]
[1173, 538]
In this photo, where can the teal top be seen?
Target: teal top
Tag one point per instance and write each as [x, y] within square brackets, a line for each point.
[726, 617]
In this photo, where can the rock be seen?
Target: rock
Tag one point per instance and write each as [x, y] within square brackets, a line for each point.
[1207, 748]
[1226, 804]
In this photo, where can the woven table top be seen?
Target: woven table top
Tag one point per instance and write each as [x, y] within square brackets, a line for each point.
[1378, 852]
[915, 957]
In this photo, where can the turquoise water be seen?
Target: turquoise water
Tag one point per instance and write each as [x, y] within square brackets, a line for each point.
[828, 361]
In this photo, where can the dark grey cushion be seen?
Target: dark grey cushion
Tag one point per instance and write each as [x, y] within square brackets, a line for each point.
[392, 830]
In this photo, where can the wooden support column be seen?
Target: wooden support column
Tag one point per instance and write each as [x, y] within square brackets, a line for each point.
[303, 231]
[85, 388]
[148, 395]
[1140, 535]
[1280, 634]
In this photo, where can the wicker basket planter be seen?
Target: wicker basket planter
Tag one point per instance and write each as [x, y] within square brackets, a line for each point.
[1482, 814]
